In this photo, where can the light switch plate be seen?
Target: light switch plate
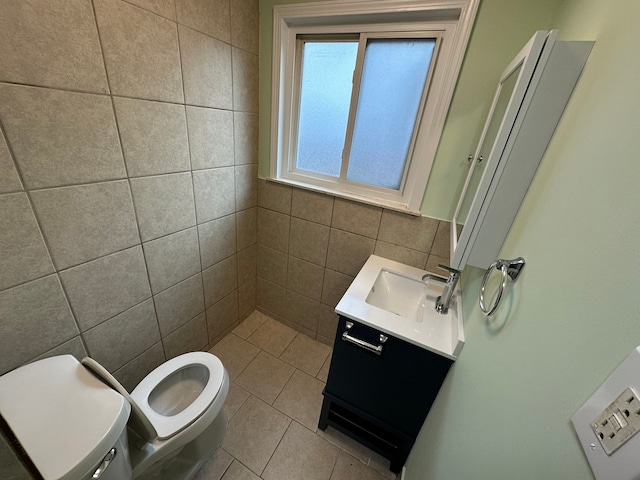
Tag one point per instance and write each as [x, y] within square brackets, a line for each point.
[606, 432]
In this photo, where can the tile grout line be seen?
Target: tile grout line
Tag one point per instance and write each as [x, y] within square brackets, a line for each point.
[177, 22]
[128, 178]
[45, 240]
[150, 11]
[326, 258]
[433, 240]
[230, 463]
[128, 97]
[249, 362]
[260, 350]
[279, 442]
[138, 356]
[193, 186]
[333, 468]
[283, 387]
[137, 220]
[379, 226]
[235, 192]
[175, 11]
[229, 2]
[236, 460]
[102, 322]
[241, 403]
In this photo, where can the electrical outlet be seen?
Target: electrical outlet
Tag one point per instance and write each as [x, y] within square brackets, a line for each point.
[613, 457]
[619, 421]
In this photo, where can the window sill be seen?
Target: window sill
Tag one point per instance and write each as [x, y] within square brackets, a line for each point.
[397, 207]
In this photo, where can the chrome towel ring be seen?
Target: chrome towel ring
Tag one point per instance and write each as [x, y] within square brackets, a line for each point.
[512, 268]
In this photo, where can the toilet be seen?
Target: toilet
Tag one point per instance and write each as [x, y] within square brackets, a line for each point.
[75, 421]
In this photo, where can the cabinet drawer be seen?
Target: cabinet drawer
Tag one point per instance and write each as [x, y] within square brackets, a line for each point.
[398, 386]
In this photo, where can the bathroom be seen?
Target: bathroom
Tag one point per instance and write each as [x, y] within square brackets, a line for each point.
[504, 410]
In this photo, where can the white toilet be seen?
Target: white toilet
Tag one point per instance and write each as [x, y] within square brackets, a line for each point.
[71, 418]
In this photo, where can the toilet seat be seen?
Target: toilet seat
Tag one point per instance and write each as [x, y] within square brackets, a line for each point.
[168, 426]
[138, 421]
[145, 421]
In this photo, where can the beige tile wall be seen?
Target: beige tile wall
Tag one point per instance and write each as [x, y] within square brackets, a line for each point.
[311, 246]
[128, 178]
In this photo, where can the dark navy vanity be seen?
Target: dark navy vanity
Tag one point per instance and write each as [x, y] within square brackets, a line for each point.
[381, 399]
[391, 354]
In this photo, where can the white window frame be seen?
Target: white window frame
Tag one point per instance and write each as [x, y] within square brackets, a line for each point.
[448, 20]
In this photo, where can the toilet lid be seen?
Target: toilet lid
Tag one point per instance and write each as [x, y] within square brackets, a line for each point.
[64, 418]
[138, 422]
[168, 426]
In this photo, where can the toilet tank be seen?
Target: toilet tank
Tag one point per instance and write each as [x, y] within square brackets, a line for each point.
[66, 420]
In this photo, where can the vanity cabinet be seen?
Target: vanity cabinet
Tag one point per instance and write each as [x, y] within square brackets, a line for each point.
[380, 400]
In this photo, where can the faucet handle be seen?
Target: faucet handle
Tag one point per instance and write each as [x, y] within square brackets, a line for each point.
[449, 269]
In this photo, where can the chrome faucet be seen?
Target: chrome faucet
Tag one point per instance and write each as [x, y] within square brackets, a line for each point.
[442, 302]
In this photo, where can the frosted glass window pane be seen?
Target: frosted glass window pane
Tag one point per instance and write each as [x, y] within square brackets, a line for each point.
[325, 94]
[393, 79]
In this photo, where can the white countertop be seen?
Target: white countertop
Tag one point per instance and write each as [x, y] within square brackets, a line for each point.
[441, 334]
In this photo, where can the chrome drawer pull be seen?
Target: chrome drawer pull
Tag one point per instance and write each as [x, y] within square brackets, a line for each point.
[377, 349]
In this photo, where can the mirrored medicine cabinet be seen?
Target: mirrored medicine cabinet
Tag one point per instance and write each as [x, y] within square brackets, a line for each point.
[531, 95]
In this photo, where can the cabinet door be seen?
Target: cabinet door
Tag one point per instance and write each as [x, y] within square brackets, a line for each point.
[515, 82]
[531, 96]
[397, 387]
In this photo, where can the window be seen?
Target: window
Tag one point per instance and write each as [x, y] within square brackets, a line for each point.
[360, 94]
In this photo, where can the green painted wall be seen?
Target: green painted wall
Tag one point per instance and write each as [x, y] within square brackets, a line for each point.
[501, 28]
[266, 41]
[504, 410]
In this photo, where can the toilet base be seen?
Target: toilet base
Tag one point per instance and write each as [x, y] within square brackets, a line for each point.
[187, 462]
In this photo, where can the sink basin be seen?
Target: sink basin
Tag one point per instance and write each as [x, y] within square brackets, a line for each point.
[401, 295]
[391, 297]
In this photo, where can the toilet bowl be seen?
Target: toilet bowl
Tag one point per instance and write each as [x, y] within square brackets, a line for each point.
[175, 414]
[166, 428]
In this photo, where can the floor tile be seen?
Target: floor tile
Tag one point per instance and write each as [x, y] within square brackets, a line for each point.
[273, 337]
[324, 371]
[381, 465]
[250, 324]
[282, 442]
[254, 433]
[306, 354]
[237, 471]
[347, 444]
[350, 468]
[301, 454]
[235, 354]
[301, 399]
[214, 468]
[235, 399]
[265, 377]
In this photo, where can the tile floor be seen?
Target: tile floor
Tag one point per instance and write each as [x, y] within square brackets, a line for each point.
[277, 376]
